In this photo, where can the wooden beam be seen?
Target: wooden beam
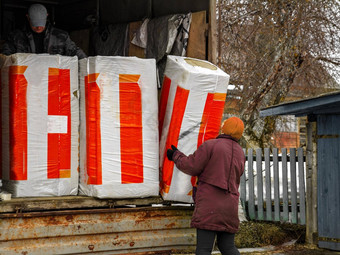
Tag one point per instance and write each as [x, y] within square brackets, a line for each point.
[197, 36]
[212, 41]
[311, 185]
[135, 50]
[21, 205]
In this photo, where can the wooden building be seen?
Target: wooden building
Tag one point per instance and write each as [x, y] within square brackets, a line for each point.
[323, 165]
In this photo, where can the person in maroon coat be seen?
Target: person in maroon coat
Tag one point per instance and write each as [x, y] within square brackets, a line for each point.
[218, 164]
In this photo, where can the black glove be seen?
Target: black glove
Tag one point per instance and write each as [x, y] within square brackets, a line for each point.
[170, 152]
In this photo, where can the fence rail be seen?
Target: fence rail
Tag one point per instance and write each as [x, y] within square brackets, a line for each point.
[272, 187]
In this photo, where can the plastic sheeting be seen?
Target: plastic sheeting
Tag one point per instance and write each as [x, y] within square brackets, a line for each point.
[168, 35]
[190, 112]
[111, 40]
[40, 121]
[162, 36]
[119, 145]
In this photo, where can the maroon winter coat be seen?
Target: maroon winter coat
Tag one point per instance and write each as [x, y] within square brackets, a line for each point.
[219, 164]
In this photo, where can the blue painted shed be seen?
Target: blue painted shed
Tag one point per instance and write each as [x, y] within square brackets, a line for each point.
[323, 165]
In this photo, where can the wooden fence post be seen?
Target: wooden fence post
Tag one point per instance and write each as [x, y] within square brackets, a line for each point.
[276, 185]
[260, 213]
[302, 194]
[285, 215]
[268, 184]
[293, 189]
[243, 188]
[251, 202]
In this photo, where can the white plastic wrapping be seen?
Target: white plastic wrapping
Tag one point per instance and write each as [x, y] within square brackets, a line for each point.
[40, 123]
[191, 108]
[119, 142]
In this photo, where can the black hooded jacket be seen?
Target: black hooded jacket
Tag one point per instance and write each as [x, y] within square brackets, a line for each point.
[56, 41]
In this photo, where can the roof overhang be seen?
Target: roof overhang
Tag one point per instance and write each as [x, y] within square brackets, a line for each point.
[324, 104]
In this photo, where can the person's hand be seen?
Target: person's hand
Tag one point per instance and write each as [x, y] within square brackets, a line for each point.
[170, 152]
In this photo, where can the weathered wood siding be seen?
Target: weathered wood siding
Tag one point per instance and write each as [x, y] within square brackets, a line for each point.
[328, 142]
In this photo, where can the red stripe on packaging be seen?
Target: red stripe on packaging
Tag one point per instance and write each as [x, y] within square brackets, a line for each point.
[59, 111]
[211, 118]
[93, 131]
[131, 131]
[18, 123]
[163, 102]
[178, 110]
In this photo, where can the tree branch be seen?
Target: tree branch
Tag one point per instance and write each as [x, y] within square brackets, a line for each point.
[336, 62]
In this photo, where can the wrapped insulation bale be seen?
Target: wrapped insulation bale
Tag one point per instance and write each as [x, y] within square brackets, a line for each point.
[40, 123]
[119, 143]
[190, 112]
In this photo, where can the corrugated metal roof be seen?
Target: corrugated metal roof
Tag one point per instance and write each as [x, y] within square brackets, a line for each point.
[324, 104]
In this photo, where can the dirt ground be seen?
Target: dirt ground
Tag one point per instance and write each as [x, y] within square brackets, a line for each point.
[257, 238]
[264, 238]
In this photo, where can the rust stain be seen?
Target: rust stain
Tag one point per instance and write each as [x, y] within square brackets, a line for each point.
[116, 243]
[24, 252]
[139, 220]
[132, 244]
[91, 247]
[79, 227]
[171, 225]
[147, 214]
[143, 217]
[69, 218]
[52, 221]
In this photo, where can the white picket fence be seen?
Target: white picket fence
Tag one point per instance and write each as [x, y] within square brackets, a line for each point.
[272, 187]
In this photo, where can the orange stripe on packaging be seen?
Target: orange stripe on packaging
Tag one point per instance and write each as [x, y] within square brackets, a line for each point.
[59, 111]
[129, 78]
[64, 173]
[205, 117]
[215, 116]
[93, 132]
[163, 102]
[131, 131]
[220, 97]
[211, 118]
[178, 110]
[18, 122]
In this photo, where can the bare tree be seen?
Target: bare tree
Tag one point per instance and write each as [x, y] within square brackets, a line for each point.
[270, 47]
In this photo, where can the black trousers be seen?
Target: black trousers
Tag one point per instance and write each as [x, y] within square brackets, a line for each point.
[225, 242]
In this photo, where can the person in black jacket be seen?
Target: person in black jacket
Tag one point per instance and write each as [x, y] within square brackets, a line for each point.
[38, 36]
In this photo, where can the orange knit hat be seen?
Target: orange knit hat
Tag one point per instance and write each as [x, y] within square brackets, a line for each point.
[233, 127]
